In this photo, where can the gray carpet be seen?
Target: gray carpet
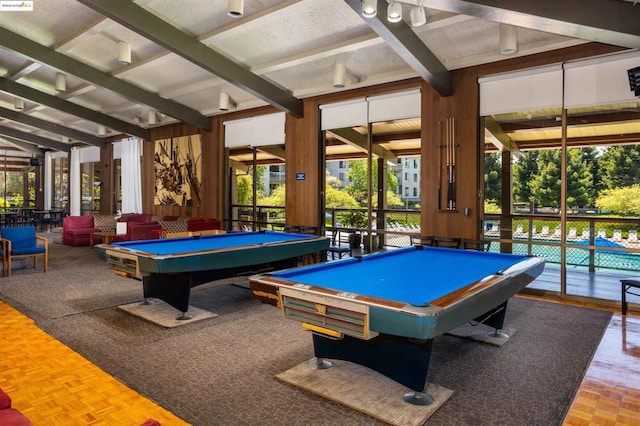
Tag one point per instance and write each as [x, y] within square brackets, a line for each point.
[222, 371]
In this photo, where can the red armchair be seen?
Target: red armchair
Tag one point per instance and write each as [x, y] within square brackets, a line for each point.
[10, 416]
[77, 229]
[139, 227]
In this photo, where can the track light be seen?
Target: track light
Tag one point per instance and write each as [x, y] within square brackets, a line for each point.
[508, 39]
[152, 118]
[225, 103]
[235, 8]
[124, 53]
[18, 103]
[369, 8]
[339, 72]
[418, 15]
[394, 12]
[61, 82]
[102, 130]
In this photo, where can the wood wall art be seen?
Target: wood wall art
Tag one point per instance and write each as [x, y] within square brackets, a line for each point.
[178, 171]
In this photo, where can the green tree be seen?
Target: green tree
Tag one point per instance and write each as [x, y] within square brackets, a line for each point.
[545, 185]
[493, 177]
[624, 200]
[277, 197]
[358, 182]
[523, 172]
[337, 199]
[245, 190]
[579, 180]
[619, 166]
[591, 158]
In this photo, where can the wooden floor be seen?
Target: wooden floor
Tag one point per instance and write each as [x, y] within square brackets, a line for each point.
[53, 385]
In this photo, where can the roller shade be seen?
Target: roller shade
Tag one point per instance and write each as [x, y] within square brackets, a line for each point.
[260, 130]
[394, 106]
[344, 114]
[536, 88]
[599, 81]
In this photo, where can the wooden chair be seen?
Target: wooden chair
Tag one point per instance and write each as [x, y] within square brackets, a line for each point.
[22, 242]
[449, 242]
[479, 245]
[421, 240]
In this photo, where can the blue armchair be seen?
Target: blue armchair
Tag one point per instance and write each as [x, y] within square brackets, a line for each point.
[21, 242]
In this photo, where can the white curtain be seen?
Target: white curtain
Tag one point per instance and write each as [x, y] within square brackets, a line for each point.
[74, 182]
[48, 184]
[131, 176]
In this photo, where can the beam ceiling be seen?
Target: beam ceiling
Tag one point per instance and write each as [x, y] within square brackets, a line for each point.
[34, 139]
[71, 108]
[51, 127]
[72, 66]
[404, 41]
[604, 21]
[23, 146]
[150, 26]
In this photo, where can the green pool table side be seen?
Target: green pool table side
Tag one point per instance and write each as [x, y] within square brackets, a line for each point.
[197, 258]
[170, 276]
[407, 320]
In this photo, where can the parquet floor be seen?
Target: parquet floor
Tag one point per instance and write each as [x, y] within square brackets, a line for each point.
[53, 385]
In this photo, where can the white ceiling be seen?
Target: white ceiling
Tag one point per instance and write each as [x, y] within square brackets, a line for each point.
[293, 44]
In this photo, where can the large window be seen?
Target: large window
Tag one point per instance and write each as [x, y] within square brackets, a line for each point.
[379, 194]
[60, 183]
[572, 173]
[90, 188]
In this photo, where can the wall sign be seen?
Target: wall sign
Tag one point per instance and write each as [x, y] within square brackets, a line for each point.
[301, 176]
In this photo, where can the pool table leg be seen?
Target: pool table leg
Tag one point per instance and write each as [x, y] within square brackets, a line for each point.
[404, 360]
[495, 318]
[175, 289]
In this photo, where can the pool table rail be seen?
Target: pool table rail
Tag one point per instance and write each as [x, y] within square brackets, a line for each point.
[394, 317]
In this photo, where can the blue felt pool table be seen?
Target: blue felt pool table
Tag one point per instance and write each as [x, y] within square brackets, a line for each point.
[169, 268]
[384, 310]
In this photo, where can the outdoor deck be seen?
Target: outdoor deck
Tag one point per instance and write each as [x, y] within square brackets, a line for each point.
[599, 285]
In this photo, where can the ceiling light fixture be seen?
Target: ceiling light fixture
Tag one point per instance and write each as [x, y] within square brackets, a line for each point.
[61, 82]
[152, 118]
[18, 103]
[339, 73]
[225, 103]
[508, 39]
[418, 15]
[394, 12]
[102, 131]
[369, 8]
[124, 53]
[235, 8]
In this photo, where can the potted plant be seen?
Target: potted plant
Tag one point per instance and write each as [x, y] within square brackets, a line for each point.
[358, 221]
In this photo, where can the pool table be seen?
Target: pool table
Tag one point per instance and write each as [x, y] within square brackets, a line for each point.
[170, 267]
[384, 310]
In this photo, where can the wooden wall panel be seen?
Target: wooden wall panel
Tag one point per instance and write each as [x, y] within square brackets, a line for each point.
[303, 156]
[212, 172]
[462, 106]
